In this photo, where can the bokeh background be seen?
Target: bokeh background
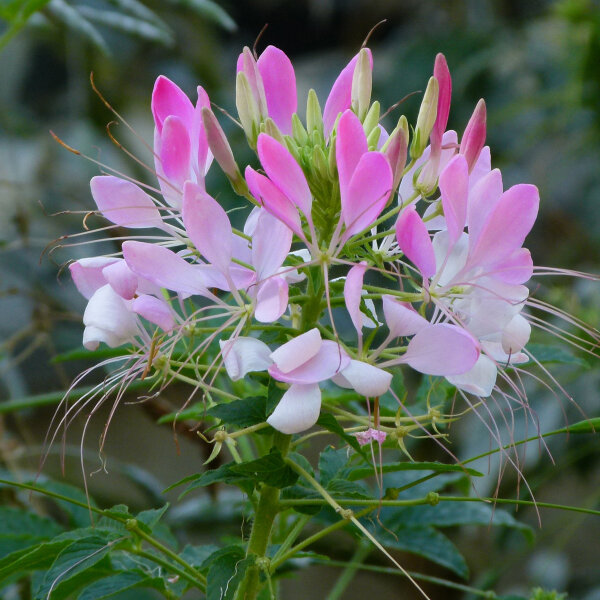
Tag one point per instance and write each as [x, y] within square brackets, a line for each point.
[536, 63]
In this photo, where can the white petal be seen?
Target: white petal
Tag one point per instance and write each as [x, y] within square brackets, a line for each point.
[297, 351]
[244, 355]
[297, 410]
[516, 334]
[495, 352]
[367, 380]
[480, 380]
[455, 260]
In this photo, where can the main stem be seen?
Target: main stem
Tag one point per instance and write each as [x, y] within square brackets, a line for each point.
[266, 511]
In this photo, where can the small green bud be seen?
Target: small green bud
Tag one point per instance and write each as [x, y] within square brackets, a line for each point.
[298, 132]
[247, 108]
[372, 118]
[362, 83]
[373, 138]
[271, 129]
[319, 162]
[426, 118]
[314, 117]
[332, 161]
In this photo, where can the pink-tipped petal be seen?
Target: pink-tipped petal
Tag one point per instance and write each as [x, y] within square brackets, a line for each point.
[367, 380]
[401, 318]
[413, 239]
[327, 362]
[87, 274]
[208, 226]
[124, 203]
[204, 156]
[454, 189]
[271, 300]
[350, 145]
[279, 81]
[297, 351]
[479, 380]
[507, 225]
[340, 97]
[271, 243]
[367, 193]
[442, 74]
[175, 151]
[274, 200]
[483, 198]
[284, 172]
[442, 349]
[473, 138]
[244, 355]
[163, 267]
[297, 410]
[168, 99]
[155, 310]
[122, 279]
[517, 268]
[352, 294]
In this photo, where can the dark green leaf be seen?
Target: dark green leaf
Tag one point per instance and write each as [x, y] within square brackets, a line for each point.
[295, 492]
[331, 463]
[241, 413]
[554, 354]
[222, 474]
[436, 390]
[226, 571]
[329, 422]
[197, 555]
[341, 488]
[360, 472]
[109, 586]
[270, 469]
[152, 516]
[21, 523]
[210, 10]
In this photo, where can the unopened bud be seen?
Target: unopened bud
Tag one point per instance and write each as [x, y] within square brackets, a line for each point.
[362, 83]
[426, 119]
[473, 138]
[319, 163]
[442, 74]
[298, 132]
[372, 119]
[373, 138]
[396, 150]
[272, 130]
[247, 108]
[250, 69]
[221, 150]
[314, 117]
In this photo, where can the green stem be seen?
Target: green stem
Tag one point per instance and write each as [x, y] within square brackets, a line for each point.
[172, 569]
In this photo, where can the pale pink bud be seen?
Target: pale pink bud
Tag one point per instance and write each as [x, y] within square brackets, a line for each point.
[442, 74]
[473, 138]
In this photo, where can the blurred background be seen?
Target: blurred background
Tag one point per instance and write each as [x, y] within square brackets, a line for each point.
[536, 64]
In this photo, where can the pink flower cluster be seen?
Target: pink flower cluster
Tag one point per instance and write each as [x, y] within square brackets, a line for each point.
[428, 239]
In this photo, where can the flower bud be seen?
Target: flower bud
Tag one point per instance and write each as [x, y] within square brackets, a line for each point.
[221, 150]
[319, 163]
[272, 130]
[373, 138]
[442, 74]
[426, 119]
[473, 138]
[247, 108]
[372, 119]
[314, 117]
[396, 149]
[298, 132]
[362, 83]
[248, 66]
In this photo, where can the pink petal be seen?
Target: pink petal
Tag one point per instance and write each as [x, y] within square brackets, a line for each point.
[163, 267]
[271, 243]
[340, 97]
[352, 294]
[122, 279]
[274, 200]
[517, 268]
[297, 410]
[473, 138]
[367, 193]
[247, 64]
[284, 172]
[479, 380]
[241, 277]
[454, 189]
[401, 318]
[481, 168]
[329, 360]
[350, 145]
[413, 239]
[483, 198]
[155, 310]
[442, 349]
[367, 380]
[204, 156]
[124, 203]
[168, 99]
[442, 74]
[297, 351]
[507, 225]
[208, 226]
[244, 355]
[175, 151]
[271, 300]
[87, 274]
[279, 81]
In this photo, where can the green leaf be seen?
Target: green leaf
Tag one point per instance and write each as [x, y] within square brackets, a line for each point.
[152, 516]
[341, 488]
[241, 413]
[555, 354]
[426, 542]
[109, 586]
[222, 474]
[15, 522]
[360, 472]
[295, 492]
[587, 426]
[226, 571]
[331, 463]
[270, 469]
[329, 422]
[436, 390]
[76, 558]
[17, 13]
[209, 10]
[197, 555]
